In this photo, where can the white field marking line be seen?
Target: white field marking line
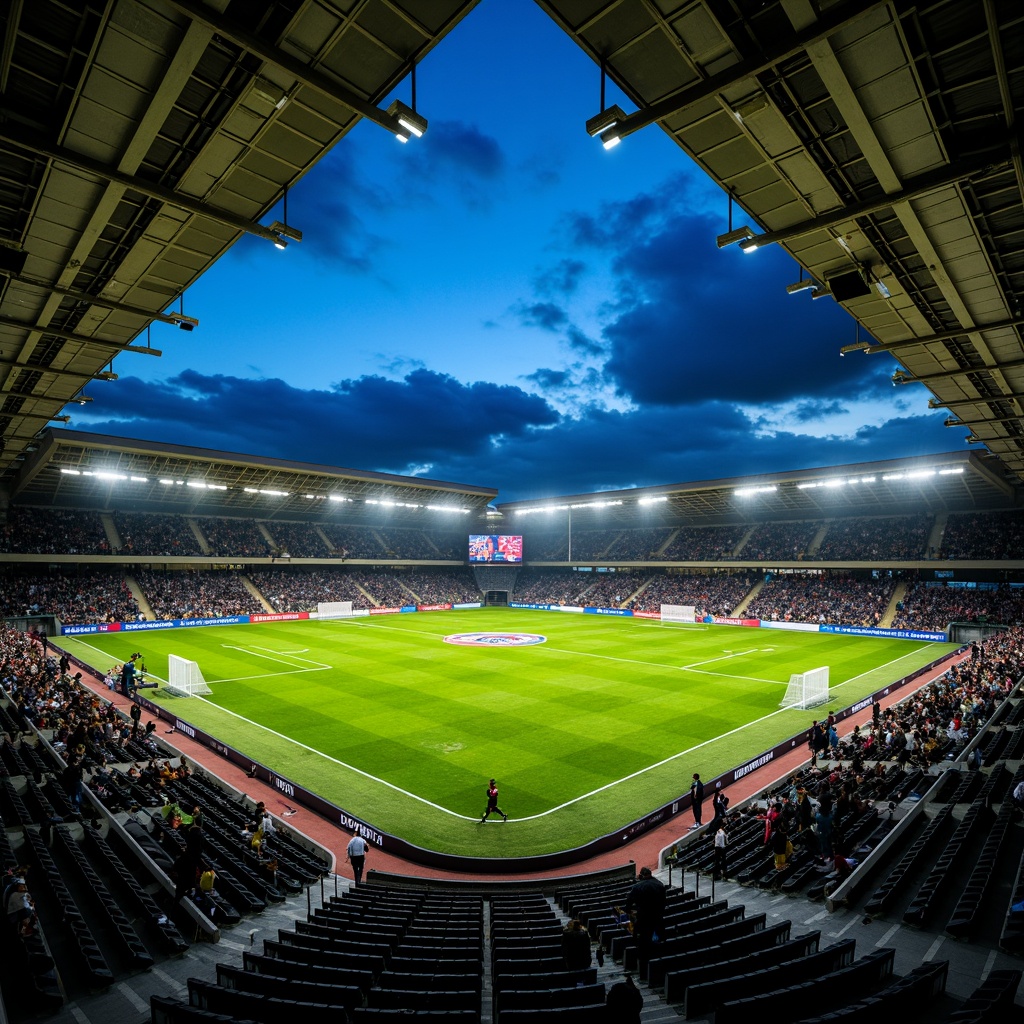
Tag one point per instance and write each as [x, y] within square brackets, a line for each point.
[548, 647]
[531, 817]
[277, 656]
[293, 670]
[334, 760]
[727, 675]
[880, 667]
[466, 817]
[725, 657]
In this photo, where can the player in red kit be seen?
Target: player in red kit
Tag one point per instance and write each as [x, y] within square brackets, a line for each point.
[492, 803]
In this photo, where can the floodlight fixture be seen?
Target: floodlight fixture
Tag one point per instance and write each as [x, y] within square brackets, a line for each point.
[736, 235]
[408, 120]
[751, 244]
[820, 293]
[286, 231]
[860, 346]
[82, 399]
[106, 375]
[185, 323]
[606, 119]
[801, 286]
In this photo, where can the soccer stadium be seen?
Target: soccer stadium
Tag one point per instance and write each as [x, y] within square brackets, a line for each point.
[281, 736]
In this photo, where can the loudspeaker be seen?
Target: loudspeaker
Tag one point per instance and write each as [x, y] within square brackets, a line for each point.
[850, 285]
[12, 261]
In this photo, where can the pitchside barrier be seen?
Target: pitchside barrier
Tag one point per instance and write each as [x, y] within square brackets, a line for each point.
[485, 865]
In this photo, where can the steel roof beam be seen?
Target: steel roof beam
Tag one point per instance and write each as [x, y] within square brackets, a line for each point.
[51, 151]
[301, 72]
[836, 18]
[914, 188]
[117, 346]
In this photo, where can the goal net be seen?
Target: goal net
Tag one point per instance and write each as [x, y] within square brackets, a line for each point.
[334, 610]
[807, 689]
[677, 612]
[184, 677]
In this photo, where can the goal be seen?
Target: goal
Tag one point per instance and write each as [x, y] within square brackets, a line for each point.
[807, 689]
[184, 677]
[678, 613]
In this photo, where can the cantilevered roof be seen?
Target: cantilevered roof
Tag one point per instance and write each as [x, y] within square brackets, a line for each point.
[958, 481]
[74, 469]
[139, 139]
[878, 142]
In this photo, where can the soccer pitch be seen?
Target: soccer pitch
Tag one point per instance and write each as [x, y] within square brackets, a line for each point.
[603, 721]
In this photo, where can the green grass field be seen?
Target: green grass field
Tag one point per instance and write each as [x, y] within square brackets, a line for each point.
[586, 732]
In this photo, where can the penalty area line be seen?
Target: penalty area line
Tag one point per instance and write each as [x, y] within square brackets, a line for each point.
[334, 760]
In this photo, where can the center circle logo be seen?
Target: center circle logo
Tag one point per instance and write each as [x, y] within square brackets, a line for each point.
[495, 639]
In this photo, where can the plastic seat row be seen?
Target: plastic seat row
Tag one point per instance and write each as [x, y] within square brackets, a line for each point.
[975, 822]
[965, 915]
[703, 997]
[933, 836]
[170, 939]
[827, 992]
[138, 955]
[94, 964]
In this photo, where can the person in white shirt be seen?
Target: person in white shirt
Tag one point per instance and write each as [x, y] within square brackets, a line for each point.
[356, 856]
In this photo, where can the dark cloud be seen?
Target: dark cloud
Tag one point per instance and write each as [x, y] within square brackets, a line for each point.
[695, 322]
[606, 450]
[488, 434]
[546, 315]
[366, 423]
[582, 342]
[811, 410]
[550, 379]
[466, 161]
[561, 279]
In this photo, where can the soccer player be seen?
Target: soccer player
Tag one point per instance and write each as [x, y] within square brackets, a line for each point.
[492, 803]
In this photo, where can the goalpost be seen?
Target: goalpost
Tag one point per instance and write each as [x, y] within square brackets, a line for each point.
[678, 613]
[184, 677]
[807, 689]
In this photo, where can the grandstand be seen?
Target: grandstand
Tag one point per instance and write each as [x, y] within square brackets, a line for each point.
[846, 132]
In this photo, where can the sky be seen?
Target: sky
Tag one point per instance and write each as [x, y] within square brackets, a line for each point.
[504, 303]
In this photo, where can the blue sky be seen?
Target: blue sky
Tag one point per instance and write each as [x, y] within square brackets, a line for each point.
[504, 303]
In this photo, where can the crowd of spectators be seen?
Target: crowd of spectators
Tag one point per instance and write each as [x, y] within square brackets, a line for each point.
[831, 598]
[562, 586]
[441, 587]
[101, 596]
[939, 720]
[152, 533]
[985, 535]
[703, 543]
[784, 542]
[234, 537]
[353, 541]
[196, 594]
[710, 595]
[295, 590]
[406, 544]
[613, 589]
[545, 542]
[298, 540]
[932, 724]
[878, 538]
[88, 733]
[385, 589]
[640, 545]
[53, 531]
[934, 605]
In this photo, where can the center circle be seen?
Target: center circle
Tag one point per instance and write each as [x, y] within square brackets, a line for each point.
[495, 639]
